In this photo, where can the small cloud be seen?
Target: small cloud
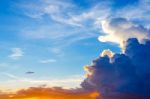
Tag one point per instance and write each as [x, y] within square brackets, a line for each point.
[16, 53]
[30, 72]
[47, 61]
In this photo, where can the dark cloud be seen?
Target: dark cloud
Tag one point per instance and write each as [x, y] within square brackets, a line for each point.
[126, 73]
[30, 72]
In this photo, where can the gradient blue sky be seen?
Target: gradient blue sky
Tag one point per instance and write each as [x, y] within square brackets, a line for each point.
[56, 38]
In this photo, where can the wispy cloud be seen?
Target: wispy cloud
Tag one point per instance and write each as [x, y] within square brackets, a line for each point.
[46, 61]
[68, 23]
[16, 53]
[136, 12]
[10, 75]
[66, 12]
[24, 82]
[68, 20]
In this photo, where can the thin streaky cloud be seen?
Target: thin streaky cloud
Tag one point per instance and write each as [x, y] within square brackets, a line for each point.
[46, 61]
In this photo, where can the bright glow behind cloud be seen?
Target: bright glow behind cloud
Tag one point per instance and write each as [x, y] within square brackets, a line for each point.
[108, 53]
[118, 30]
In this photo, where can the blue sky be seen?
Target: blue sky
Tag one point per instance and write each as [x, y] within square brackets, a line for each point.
[56, 38]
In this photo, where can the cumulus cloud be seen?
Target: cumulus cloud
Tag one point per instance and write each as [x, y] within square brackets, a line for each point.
[17, 53]
[118, 30]
[126, 73]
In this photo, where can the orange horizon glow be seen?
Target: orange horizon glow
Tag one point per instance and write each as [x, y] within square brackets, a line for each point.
[49, 93]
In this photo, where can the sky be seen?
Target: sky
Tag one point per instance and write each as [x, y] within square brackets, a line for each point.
[48, 42]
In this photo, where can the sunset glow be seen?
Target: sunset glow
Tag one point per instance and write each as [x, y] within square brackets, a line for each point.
[47, 93]
[74, 49]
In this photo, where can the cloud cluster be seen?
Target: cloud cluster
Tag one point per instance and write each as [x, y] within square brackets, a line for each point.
[118, 30]
[127, 73]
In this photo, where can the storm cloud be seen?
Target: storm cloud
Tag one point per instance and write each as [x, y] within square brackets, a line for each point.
[124, 75]
[127, 73]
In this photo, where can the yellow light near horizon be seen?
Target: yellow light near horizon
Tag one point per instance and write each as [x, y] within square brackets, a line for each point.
[28, 98]
[49, 93]
[95, 94]
[32, 98]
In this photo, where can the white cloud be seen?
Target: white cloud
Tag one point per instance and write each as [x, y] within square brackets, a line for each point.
[16, 53]
[48, 61]
[66, 12]
[118, 30]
